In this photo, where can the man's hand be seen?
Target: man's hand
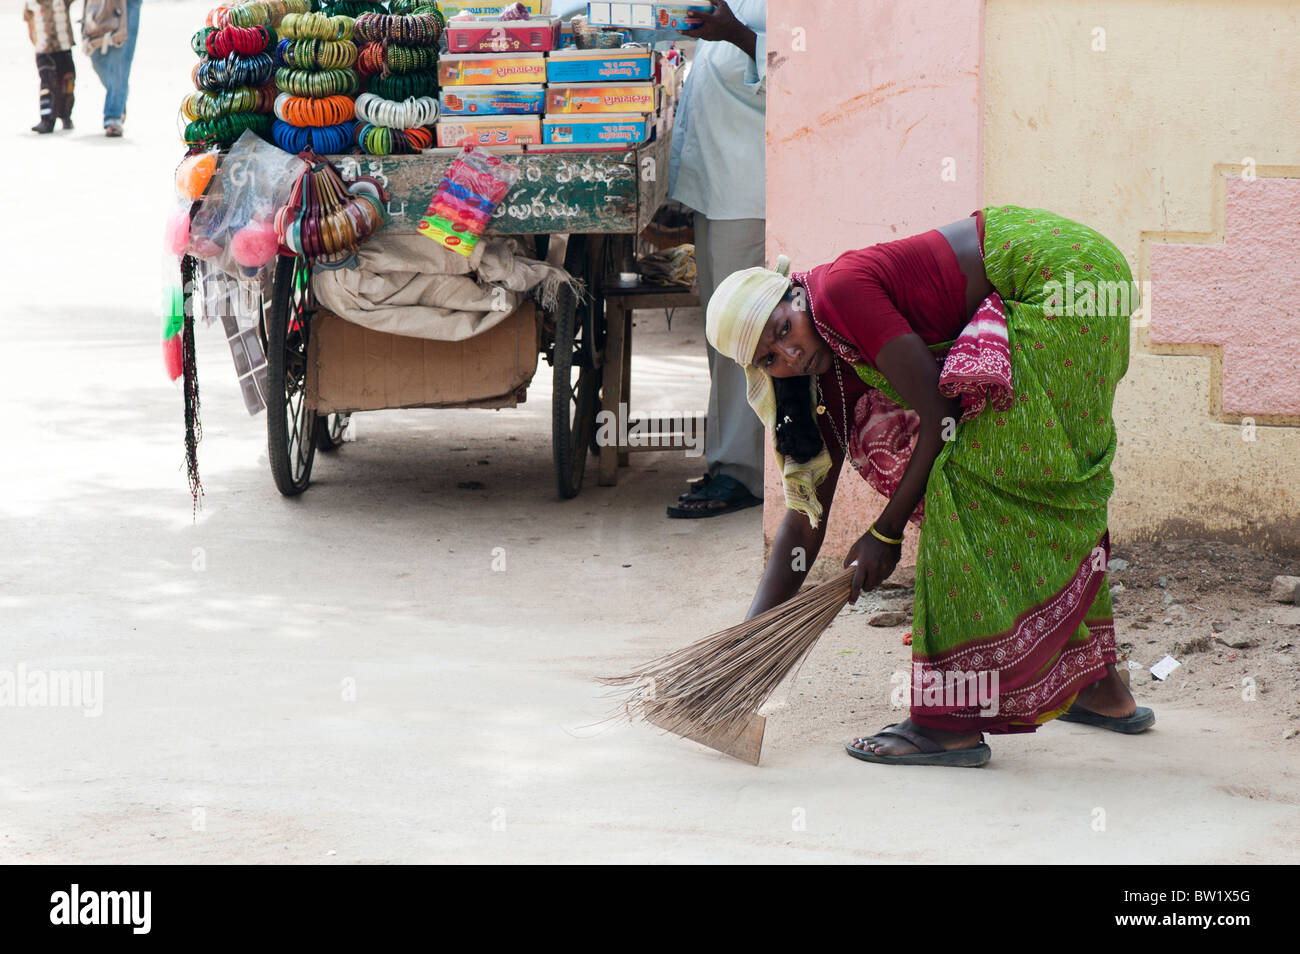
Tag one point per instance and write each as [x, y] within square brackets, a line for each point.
[876, 560]
[722, 25]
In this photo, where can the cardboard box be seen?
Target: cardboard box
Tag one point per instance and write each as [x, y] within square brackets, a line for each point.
[357, 369]
[678, 16]
[600, 98]
[640, 15]
[598, 66]
[646, 16]
[490, 35]
[491, 69]
[482, 8]
[600, 129]
[489, 130]
[491, 100]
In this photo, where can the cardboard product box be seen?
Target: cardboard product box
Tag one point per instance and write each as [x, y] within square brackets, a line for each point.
[489, 130]
[641, 15]
[491, 100]
[600, 129]
[645, 16]
[491, 69]
[357, 369]
[599, 66]
[490, 8]
[600, 98]
[490, 35]
[677, 16]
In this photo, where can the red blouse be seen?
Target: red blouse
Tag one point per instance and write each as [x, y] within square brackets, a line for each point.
[868, 297]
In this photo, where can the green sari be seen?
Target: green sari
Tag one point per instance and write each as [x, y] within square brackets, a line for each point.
[1011, 584]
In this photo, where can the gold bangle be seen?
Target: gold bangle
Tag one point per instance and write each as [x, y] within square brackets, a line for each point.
[881, 537]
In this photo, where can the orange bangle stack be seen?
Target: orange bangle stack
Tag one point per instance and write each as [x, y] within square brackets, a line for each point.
[306, 111]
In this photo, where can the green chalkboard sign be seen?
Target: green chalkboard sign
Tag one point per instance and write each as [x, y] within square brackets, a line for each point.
[614, 191]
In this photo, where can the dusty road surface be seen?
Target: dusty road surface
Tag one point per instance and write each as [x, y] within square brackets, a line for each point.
[344, 677]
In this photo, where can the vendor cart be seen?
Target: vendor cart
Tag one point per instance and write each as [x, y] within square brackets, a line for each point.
[600, 199]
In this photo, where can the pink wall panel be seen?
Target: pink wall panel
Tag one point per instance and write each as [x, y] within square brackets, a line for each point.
[873, 133]
[1243, 295]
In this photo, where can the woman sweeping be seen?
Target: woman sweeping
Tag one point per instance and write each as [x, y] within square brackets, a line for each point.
[968, 374]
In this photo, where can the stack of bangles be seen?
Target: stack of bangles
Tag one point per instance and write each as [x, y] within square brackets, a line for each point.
[407, 7]
[323, 140]
[350, 8]
[316, 54]
[234, 70]
[241, 99]
[316, 26]
[219, 43]
[375, 59]
[419, 30]
[306, 111]
[406, 114]
[225, 129]
[401, 86]
[255, 14]
[317, 84]
[385, 141]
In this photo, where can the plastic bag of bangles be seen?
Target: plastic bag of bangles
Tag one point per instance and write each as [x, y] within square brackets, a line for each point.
[463, 203]
[234, 229]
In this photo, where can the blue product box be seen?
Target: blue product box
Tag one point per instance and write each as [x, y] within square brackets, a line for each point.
[594, 66]
[594, 130]
[491, 100]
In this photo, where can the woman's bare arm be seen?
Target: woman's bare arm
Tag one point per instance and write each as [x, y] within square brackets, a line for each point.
[911, 369]
[795, 547]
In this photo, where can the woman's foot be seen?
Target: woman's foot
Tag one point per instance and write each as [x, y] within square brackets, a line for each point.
[113, 130]
[893, 744]
[1107, 704]
[46, 125]
[909, 744]
[1107, 696]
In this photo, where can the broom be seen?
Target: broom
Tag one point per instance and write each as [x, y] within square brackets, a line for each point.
[710, 691]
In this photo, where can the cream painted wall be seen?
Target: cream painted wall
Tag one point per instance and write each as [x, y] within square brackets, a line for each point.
[1126, 140]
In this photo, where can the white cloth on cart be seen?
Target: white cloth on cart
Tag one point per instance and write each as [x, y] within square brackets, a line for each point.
[406, 284]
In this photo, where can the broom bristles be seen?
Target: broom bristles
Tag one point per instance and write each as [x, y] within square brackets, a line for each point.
[714, 684]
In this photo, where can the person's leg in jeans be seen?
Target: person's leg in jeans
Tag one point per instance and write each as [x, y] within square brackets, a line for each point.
[113, 67]
[733, 436]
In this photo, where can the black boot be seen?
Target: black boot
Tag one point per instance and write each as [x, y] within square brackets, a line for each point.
[49, 74]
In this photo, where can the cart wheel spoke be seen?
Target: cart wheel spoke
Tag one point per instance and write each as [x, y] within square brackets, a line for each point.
[573, 397]
[291, 425]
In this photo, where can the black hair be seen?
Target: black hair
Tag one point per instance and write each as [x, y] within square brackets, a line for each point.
[797, 434]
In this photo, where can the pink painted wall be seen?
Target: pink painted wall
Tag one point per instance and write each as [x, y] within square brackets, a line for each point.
[859, 125]
[1243, 295]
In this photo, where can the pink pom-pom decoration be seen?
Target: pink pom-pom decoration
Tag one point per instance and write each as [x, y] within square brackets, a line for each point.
[172, 357]
[255, 244]
[176, 236]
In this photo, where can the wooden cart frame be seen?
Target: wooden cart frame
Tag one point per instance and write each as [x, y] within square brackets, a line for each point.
[601, 200]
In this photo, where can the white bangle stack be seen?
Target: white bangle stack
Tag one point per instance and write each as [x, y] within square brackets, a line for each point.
[407, 114]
